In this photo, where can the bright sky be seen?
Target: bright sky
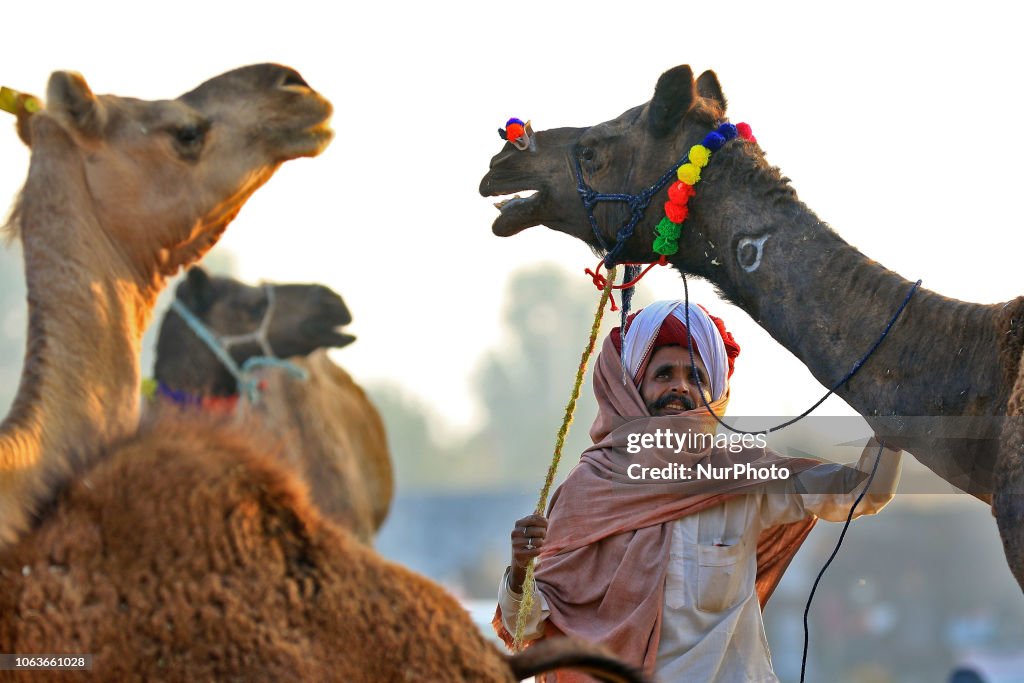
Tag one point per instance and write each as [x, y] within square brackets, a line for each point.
[897, 122]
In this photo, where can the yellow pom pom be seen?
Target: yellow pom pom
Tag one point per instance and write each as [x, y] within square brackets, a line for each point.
[149, 388]
[689, 174]
[699, 155]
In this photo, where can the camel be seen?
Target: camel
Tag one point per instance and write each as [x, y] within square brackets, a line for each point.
[120, 194]
[768, 253]
[338, 437]
[185, 550]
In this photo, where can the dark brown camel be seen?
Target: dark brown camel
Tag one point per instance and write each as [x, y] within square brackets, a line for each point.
[769, 254]
[334, 431]
[185, 551]
[304, 318]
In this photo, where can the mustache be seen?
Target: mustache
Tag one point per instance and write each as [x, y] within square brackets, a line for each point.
[660, 403]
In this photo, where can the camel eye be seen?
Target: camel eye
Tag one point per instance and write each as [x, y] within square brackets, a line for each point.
[587, 154]
[189, 140]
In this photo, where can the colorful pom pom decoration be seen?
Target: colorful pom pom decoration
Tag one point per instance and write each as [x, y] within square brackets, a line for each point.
[676, 212]
[689, 174]
[669, 230]
[713, 141]
[679, 192]
[665, 246]
[677, 207]
[699, 156]
[516, 132]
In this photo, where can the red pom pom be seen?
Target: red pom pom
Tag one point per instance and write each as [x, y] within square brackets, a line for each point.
[743, 130]
[676, 213]
[514, 131]
[680, 193]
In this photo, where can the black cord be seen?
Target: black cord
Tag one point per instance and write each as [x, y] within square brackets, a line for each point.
[856, 366]
[849, 518]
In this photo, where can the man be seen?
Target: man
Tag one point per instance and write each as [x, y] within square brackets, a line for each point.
[670, 573]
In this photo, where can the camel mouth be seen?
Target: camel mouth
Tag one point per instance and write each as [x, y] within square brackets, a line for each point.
[339, 339]
[321, 136]
[501, 204]
[327, 333]
[312, 136]
[311, 141]
[517, 211]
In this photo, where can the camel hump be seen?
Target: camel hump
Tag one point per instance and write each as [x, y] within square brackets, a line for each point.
[570, 653]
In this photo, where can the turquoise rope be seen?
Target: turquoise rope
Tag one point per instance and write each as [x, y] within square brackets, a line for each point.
[247, 384]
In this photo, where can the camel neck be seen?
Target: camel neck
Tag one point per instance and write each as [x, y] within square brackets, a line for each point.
[79, 385]
[827, 303]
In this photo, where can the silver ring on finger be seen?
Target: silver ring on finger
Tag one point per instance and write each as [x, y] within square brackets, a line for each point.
[529, 544]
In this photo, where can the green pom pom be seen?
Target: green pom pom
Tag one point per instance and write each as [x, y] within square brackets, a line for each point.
[668, 229]
[665, 246]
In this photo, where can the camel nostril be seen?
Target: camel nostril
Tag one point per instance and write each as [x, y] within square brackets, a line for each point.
[293, 79]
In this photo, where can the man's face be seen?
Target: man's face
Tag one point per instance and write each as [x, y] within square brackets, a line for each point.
[667, 386]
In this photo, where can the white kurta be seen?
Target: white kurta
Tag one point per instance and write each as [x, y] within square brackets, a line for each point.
[711, 624]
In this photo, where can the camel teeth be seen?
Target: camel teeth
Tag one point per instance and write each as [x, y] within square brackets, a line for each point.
[500, 205]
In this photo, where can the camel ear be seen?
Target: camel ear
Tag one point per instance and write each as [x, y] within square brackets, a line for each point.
[69, 96]
[196, 292]
[709, 88]
[673, 97]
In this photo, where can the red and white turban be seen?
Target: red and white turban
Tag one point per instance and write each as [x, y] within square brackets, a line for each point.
[663, 324]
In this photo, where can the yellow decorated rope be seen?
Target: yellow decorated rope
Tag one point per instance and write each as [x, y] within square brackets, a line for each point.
[526, 606]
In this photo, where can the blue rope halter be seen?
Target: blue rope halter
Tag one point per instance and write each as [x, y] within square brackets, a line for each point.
[247, 384]
[637, 203]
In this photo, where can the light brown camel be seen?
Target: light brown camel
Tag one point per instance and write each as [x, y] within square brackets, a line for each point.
[187, 551]
[120, 194]
[769, 254]
[333, 431]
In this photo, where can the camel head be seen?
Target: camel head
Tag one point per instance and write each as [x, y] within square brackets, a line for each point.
[297, 319]
[162, 179]
[623, 156]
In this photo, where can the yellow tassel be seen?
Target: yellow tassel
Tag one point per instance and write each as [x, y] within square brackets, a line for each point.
[689, 174]
[699, 156]
[148, 389]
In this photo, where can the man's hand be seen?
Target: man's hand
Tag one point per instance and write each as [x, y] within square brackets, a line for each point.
[527, 539]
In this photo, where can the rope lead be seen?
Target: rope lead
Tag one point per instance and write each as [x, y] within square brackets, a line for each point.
[526, 606]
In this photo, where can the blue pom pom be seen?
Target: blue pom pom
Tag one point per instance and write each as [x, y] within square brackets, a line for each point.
[727, 131]
[513, 120]
[713, 141]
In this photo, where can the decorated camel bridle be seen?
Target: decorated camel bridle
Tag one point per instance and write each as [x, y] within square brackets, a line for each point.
[683, 175]
[221, 345]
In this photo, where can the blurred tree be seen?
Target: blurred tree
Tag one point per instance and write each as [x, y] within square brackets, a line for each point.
[13, 322]
[525, 384]
[425, 458]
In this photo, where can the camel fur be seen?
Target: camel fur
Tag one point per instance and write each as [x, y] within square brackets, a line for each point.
[337, 436]
[189, 554]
